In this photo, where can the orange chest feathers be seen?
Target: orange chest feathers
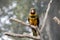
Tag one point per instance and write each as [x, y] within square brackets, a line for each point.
[33, 20]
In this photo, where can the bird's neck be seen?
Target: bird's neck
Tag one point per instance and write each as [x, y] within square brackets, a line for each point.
[32, 14]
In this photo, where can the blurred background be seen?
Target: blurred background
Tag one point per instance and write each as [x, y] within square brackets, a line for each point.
[20, 9]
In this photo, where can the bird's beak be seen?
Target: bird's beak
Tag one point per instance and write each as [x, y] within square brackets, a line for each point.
[32, 11]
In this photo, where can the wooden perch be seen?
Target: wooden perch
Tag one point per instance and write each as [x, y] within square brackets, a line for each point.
[56, 20]
[22, 23]
[22, 36]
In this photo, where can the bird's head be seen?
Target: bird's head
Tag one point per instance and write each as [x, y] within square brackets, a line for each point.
[32, 10]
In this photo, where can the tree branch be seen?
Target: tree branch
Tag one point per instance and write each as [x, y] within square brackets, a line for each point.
[16, 20]
[46, 14]
[57, 20]
[19, 21]
[22, 36]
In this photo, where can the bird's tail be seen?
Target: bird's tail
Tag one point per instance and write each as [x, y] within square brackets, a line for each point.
[34, 32]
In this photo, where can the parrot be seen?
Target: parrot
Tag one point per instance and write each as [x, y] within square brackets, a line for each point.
[33, 19]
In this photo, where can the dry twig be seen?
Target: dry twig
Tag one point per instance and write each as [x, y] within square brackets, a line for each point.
[36, 28]
[46, 14]
[56, 20]
[22, 36]
[19, 21]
